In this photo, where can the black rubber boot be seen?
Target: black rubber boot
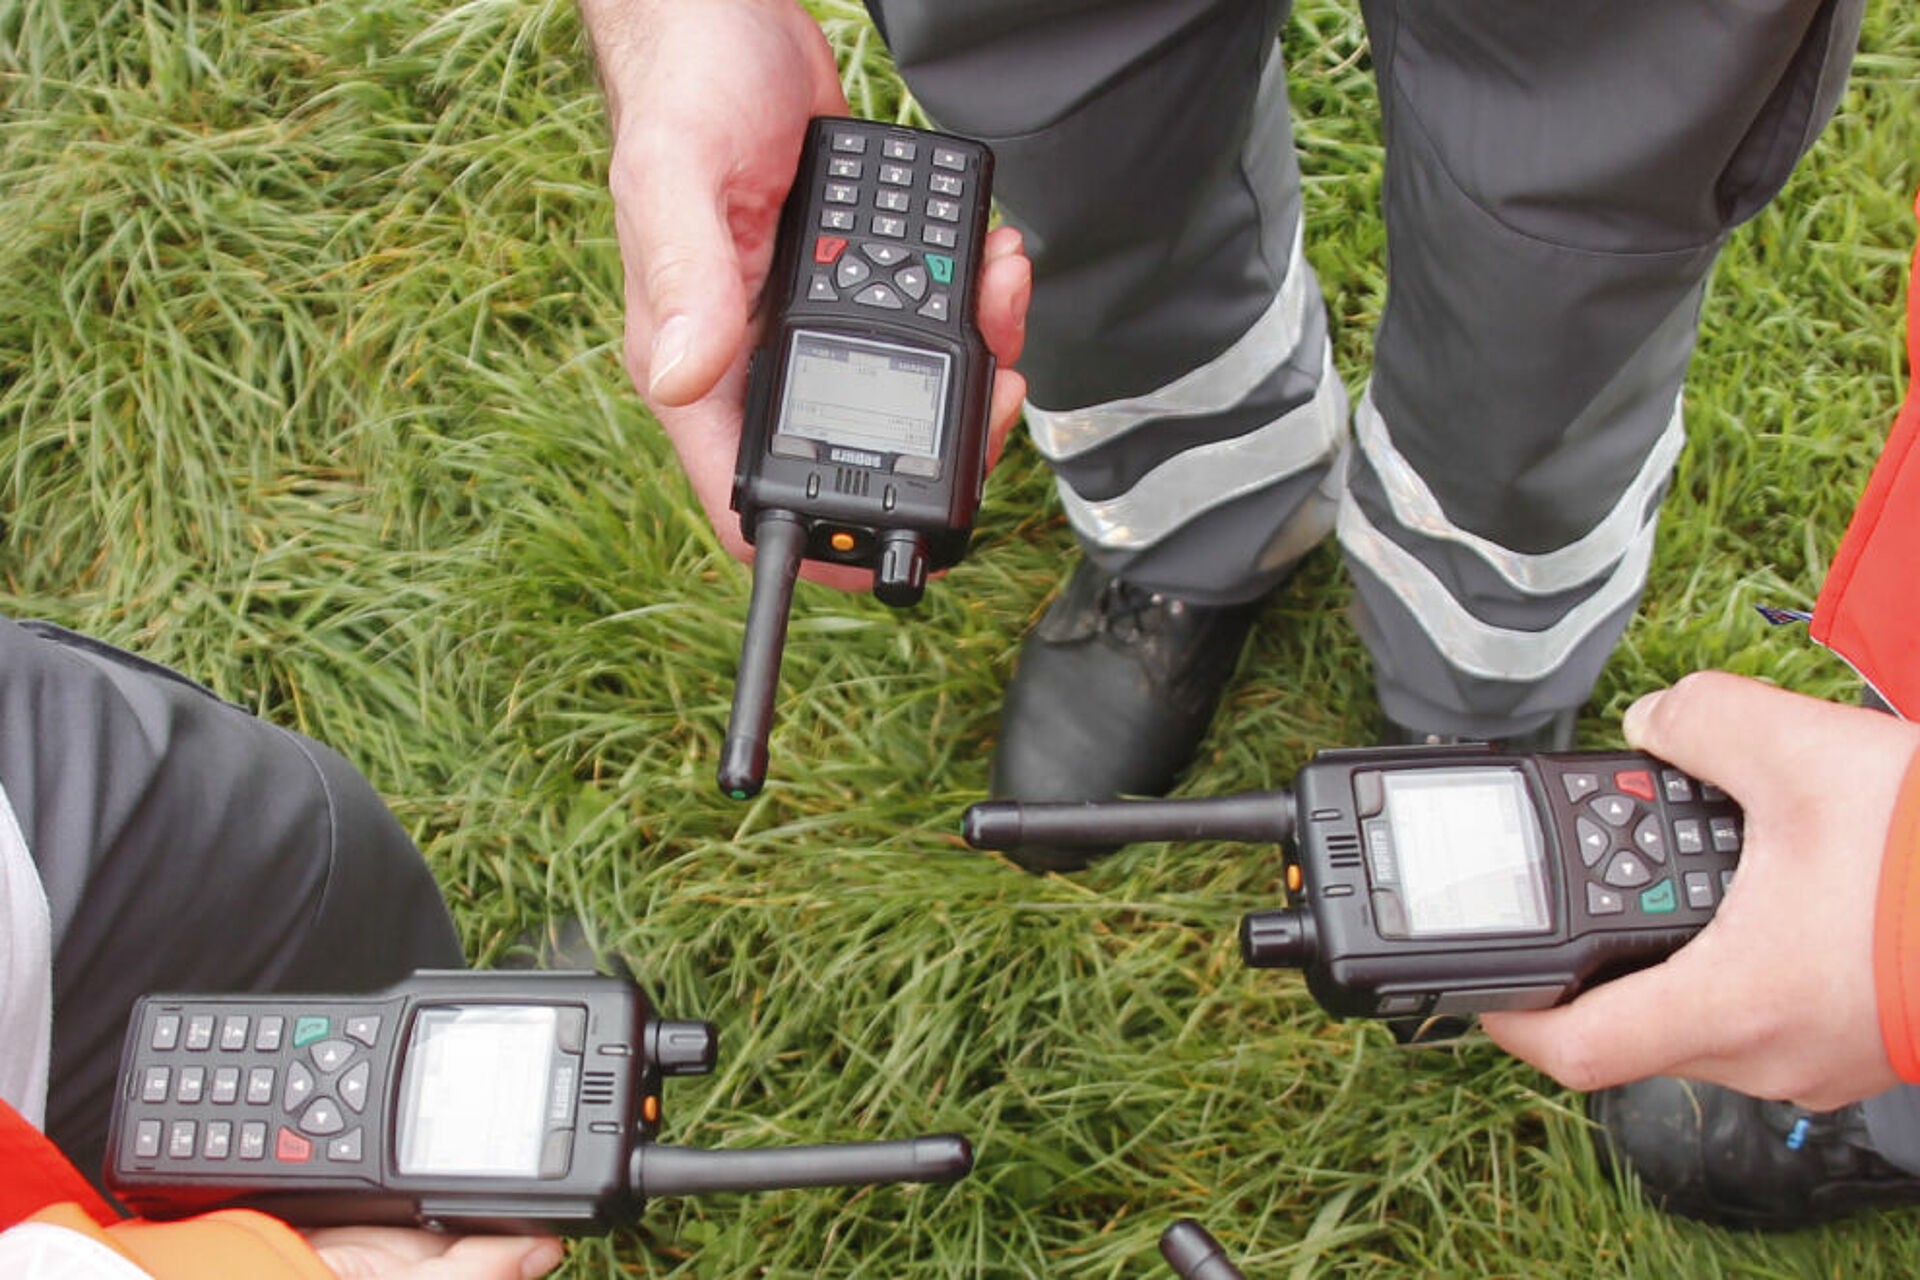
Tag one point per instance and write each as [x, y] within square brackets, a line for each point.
[1115, 689]
[1709, 1153]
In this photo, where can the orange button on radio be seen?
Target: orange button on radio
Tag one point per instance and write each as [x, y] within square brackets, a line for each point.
[1293, 878]
[841, 541]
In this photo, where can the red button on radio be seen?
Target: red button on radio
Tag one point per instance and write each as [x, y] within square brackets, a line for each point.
[1635, 782]
[292, 1148]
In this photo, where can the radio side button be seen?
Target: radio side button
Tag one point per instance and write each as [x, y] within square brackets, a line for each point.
[1478, 999]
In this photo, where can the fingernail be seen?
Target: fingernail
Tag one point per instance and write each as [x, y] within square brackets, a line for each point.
[669, 349]
[540, 1259]
[1634, 723]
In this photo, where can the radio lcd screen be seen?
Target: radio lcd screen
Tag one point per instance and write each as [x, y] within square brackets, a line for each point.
[1469, 850]
[855, 393]
[473, 1098]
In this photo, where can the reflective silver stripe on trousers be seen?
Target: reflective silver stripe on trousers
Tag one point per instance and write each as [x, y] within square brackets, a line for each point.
[1541, 574]
[1199, 479]
[1214, 387]
[26, 964]
[1469, 644]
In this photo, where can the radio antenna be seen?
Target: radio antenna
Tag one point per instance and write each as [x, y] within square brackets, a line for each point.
[1193, 1252]
[1251, 816]
[659, 1170]
[779, 539]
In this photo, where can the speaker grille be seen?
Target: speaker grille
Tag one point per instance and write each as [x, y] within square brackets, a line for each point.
[597, 1089]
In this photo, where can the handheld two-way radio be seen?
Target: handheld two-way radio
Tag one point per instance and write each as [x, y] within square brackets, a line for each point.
[864, 441]
[474, 1101]
[1433, 881]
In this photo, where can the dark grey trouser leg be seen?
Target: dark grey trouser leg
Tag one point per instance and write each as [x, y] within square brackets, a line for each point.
[1177, 356]
[1893, 1125]
[1559, 180]
[187, 845]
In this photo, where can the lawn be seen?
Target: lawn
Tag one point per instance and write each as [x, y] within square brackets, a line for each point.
[310, 387]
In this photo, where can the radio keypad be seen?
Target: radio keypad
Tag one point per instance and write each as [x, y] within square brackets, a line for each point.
[913, 203]
[250, 1100]
[1637, 832]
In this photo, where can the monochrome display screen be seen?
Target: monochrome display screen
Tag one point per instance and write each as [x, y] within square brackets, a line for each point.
[1469, 852]
[855, 393]
[474, 1092]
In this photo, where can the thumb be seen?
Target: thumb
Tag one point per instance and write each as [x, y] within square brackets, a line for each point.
[1708, 723]
[686, 302]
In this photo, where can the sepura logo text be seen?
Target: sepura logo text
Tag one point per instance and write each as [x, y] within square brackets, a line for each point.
[855, 457]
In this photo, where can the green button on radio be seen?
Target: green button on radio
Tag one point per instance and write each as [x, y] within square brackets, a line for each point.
[941, 268]
[1660, 899]
[307, 1030]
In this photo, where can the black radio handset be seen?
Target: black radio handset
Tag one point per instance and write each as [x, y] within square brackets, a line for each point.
[864, 438]
[467, 1100]
[1434, 881]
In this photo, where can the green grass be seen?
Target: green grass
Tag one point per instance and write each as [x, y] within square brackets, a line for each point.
[310, 386]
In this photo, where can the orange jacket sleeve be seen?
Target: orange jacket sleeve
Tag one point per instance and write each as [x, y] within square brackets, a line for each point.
[230, 1244]
[1868, 611]
[1896, 932]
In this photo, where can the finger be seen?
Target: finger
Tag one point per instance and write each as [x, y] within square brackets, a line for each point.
[1006, 290]
[491, 1258]
[1710, 723]
[1009, 391]
[1654, 1022]
[687, 303]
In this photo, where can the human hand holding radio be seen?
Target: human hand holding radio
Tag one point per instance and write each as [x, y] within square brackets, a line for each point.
[708, 106]
[1775, 997]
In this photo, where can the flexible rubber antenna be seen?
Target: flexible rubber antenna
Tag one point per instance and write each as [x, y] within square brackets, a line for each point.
[1010, 824]
[779, 539]
[659, 1170]
[1193, 1252]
